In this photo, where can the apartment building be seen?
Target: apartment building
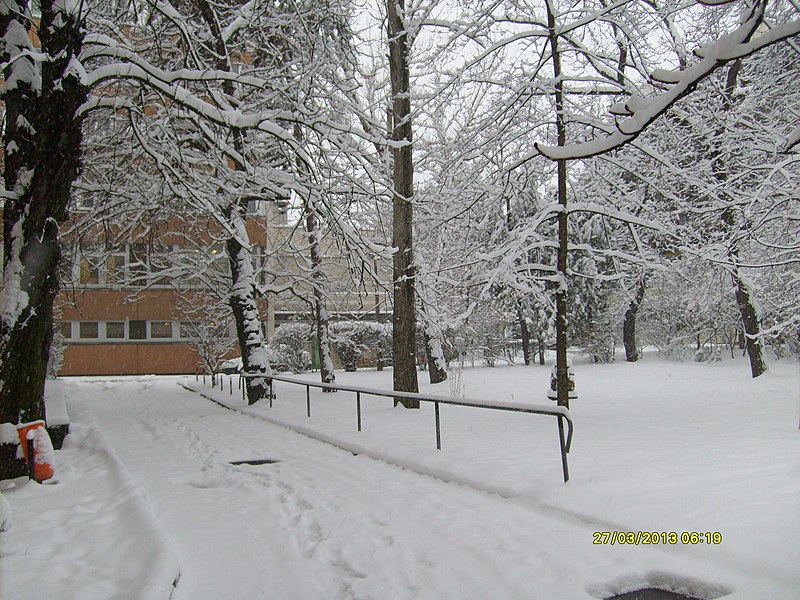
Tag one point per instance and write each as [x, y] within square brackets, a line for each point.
[143, 301]
[142, 304]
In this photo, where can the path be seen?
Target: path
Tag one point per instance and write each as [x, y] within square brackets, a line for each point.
[322, 523]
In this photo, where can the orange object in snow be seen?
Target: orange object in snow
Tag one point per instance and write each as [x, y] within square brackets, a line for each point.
[43, 453]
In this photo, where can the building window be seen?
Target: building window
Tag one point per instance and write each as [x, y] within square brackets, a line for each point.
[88, 330]
[115, 330]
[137, 330]
[161, 329]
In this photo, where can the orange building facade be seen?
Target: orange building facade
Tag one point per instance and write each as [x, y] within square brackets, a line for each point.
[118, 315]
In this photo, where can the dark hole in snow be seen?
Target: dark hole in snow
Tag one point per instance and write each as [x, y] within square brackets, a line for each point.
[652, 594]
[255, 461]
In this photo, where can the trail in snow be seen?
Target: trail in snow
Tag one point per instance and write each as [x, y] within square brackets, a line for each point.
[322, 523]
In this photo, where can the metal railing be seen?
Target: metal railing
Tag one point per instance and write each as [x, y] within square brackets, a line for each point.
[561, 413]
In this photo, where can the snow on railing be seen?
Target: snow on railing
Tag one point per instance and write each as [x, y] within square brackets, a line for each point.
[561, 413]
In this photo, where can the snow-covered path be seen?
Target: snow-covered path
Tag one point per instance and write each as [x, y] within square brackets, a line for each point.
[322, 523]
[145, 485]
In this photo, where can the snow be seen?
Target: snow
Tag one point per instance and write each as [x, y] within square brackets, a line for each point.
[13, 299]
[89, 536]
[658, 446]
[55, 403]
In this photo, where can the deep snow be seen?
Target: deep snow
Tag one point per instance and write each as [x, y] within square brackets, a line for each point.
[658, 446]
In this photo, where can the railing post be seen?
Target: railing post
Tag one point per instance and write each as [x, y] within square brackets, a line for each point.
[438, 430]
[563, 446]
[31, 458]
[230, 385]
[204, 377]
[358, 408]
[308, 401]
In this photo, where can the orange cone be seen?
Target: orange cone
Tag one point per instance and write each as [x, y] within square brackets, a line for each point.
[43, 453]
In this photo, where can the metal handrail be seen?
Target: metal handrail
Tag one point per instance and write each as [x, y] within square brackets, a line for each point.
[560, 412]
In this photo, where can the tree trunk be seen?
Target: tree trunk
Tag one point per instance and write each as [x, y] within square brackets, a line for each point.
[750, 321]
[245, 310]
[318, 279]
[255, 360]
[744, 299]
[403, 271]
[39, 174]
[562, 373]
[629, 325]
[437, 370]
[526, 336]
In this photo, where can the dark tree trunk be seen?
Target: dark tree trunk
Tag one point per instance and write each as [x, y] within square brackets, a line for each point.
[526, 336]
[750, 321]
[39, 174]
[403, 271]
[320, 310]
[541, 351]
[629, 325]
[744, 299]
[562, 373]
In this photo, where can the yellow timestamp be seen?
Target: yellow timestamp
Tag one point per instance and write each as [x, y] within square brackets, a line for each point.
[644, 538]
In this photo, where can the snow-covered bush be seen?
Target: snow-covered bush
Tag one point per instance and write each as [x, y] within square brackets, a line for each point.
[290, 344]
[354, 339]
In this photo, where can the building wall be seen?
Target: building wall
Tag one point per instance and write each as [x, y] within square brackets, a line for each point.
[129, 359]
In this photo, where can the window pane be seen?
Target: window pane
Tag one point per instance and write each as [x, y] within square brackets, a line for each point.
[160, 329]
[137, 330]
[187, 330]
[88, 330]
[115, 330]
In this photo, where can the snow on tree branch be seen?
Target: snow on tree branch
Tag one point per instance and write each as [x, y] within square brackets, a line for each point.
[641, 111]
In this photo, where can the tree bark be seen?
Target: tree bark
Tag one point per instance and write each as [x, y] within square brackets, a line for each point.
[629, 325]
[320, 310]
[437, 369]
[45, 126]
[562, 373]
[245, 310]
[742, 292]
[525, 334]
[403, 270]
[751, 323]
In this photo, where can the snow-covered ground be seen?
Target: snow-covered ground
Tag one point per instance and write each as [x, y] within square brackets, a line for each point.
[145, 488]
